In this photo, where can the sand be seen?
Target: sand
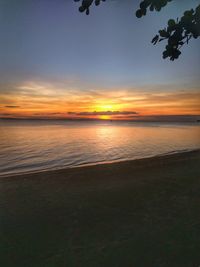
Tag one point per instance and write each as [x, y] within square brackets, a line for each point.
[143, 213]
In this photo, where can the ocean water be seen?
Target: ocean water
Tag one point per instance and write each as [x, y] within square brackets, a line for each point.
[31, 146]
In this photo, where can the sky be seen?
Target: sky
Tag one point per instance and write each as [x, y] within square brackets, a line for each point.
[56, 62]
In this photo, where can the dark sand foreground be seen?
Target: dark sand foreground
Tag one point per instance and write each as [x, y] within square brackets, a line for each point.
[143, 213]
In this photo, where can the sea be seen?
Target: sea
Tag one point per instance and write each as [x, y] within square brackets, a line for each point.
[41, 145]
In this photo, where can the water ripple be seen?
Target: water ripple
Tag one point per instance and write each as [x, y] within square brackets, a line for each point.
[28, 148]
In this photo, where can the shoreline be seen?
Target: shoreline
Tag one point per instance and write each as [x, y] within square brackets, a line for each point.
[168, 155]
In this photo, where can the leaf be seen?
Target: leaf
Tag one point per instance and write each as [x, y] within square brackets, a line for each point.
[143, 5]
[165, 54]
[176, 54]
[163, 33]
[81, 9]
[139, 13]
[171, 23]
[87, 11]
[155, 39]
[152, 8]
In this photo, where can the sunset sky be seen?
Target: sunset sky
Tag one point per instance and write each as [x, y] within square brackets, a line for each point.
[58, 63]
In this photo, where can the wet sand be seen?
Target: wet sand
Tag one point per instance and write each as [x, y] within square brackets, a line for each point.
[143, 213]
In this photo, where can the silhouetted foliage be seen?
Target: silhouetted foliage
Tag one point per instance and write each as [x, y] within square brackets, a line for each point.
[177, 33]
[152, 5]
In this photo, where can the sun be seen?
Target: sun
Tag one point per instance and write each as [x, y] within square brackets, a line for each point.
[106, 110]
[104, 117]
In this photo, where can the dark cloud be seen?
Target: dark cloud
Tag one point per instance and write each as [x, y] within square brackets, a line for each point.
[166, 118]
[12, 106]
[7, 114]
[98, 113]
[48, 114]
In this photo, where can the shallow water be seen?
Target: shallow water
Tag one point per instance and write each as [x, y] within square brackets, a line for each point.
[28, 146]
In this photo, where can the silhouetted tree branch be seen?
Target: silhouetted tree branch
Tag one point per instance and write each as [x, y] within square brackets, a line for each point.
[177, 33]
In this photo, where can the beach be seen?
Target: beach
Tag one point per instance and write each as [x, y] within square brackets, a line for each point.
[142, 212]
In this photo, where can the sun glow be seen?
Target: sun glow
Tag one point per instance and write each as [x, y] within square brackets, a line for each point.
[104, 117]
[106, 108]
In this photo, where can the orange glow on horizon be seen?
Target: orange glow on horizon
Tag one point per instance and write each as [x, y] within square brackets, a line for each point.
[45, 100]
